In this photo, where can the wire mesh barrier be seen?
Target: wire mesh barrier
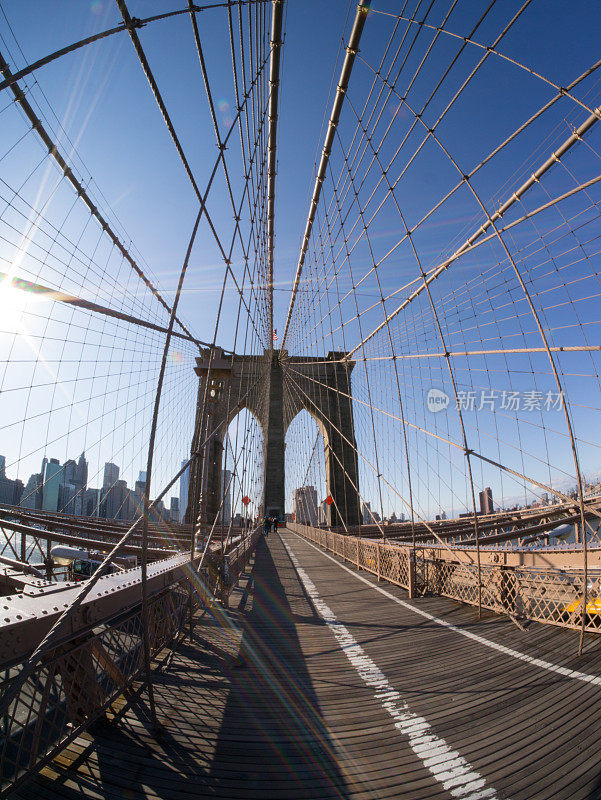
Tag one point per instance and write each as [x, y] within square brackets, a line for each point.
[548, 595]
[76, 682]
[100, 375]
[386, 561]
[434, 389]
[552, 596]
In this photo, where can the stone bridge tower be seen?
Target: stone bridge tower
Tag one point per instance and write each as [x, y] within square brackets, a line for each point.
[275, 387]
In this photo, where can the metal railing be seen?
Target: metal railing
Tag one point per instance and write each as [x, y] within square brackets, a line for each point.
[389, 562]
[76, 682]
[551, 595]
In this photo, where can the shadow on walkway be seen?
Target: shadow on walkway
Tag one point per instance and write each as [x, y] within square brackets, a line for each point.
[245, 727]
[272, 729]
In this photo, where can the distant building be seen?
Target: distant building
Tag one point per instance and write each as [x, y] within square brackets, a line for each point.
[322, 513]
[174, 509]
[486, 504]
[125, 510]
[66, 498]
[51, 485]
[159, 513]
[10, 491]
[366, 517]
[137, 496]
[304, 505]
[111, 475]
[184, 485]
[91, 503]
[112, 493]
[32, 494]
[74, 485]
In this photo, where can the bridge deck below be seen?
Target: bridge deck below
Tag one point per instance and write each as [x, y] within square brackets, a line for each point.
[349, 690]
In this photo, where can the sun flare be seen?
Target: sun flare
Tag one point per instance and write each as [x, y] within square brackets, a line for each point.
[13, 305]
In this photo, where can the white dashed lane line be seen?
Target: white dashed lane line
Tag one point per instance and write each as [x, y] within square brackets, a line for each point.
[446, 765]
[565, 672]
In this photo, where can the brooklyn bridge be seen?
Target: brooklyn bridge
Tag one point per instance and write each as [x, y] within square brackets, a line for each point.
[300, 471]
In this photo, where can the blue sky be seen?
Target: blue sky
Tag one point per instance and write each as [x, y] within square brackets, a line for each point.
[103, 101]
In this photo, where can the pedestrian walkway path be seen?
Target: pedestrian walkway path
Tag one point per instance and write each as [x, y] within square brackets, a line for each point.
[322, 683]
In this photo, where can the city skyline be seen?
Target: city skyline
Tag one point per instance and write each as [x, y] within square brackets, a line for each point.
[63, 488]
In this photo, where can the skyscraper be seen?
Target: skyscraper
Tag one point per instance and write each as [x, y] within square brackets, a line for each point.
[111, 475]
[52, 483]
[486, 504]
[32, 494]
[304, 505]
[81, 484]
[91, 502]
[111, 492]
[74, 480]
[68, 489]
[10, 491]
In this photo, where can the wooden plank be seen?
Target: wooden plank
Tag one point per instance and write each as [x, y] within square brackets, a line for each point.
[298, 721]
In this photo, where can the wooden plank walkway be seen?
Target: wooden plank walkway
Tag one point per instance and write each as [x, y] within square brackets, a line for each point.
[318, 685]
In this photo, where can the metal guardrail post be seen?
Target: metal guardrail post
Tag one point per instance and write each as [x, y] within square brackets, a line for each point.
[411, 573]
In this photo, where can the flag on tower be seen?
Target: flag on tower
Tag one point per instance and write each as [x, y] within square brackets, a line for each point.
[275, 334]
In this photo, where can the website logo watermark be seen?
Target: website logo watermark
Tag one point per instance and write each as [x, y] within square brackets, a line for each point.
[437, 400]
[493, 400]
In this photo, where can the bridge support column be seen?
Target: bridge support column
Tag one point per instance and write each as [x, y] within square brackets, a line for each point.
[342, 470]
[213, 405]
[274, 442]
[322, 386]
[261, 384]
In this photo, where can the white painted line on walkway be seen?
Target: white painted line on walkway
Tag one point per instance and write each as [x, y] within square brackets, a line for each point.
[500, 648]
[449, 768]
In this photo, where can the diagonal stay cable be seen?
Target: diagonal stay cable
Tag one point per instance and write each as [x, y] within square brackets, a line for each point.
[36, 124]
[138, 23]
[432, 274]
[161, 104]
[165, 114]
[347, 67]
[56, 296]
